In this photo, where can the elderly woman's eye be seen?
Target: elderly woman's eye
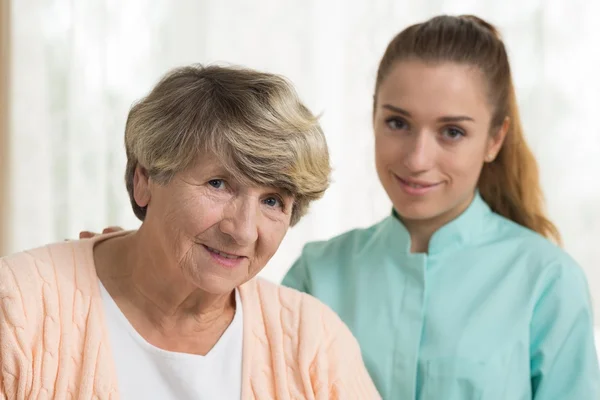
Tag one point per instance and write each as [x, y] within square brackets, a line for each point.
[216, 183]
[273, 202]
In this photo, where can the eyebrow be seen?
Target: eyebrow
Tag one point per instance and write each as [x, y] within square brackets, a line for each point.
[445, 118]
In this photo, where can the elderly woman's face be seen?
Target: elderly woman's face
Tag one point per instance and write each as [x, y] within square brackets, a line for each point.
[219, 232]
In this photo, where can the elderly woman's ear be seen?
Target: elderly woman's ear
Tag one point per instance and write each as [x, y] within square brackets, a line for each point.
[141, 187]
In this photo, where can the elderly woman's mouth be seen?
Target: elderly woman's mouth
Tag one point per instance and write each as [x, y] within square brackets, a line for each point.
[222, 253]
[226, 259]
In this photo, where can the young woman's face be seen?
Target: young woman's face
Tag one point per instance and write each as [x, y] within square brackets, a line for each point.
[432, 137]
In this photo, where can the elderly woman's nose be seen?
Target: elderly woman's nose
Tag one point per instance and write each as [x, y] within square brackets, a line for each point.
[240, 221]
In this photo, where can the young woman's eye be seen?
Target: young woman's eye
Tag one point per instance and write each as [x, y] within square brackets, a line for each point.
[453, 133]
[396, 123]
[217, 183]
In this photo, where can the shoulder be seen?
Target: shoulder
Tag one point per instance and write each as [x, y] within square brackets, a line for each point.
[346, 245]
[31, 276]
[523, 240]
[546, 262]
[34, 285]
[50, 259]
[326, 265]
[26, 267]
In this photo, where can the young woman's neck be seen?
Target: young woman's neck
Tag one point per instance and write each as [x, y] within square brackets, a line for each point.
[420, 234]
[422, 230]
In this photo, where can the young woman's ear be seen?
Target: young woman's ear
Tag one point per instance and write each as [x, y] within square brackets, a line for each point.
[496, 141]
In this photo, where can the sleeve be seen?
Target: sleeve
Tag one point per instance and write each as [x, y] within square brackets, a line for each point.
[352, 379]
[564, 361]
[298, 275]
[13, 361]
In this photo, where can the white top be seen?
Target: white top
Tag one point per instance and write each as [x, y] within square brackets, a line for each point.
[147, 372]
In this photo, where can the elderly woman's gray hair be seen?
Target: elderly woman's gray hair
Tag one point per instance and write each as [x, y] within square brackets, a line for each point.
[252, 121]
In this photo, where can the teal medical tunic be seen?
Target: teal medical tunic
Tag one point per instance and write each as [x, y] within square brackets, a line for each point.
[492, 311]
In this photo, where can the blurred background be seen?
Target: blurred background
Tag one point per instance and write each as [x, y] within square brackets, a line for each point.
[70, 70]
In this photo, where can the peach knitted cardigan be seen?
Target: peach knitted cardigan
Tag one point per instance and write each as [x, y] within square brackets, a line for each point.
[54, 341]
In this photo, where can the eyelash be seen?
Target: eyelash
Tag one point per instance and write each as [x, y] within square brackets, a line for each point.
[460, 132]
[215, 180]
[390, 120]
[277, 198]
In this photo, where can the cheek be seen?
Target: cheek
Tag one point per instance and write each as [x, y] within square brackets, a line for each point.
[388, 150]
[463, 165]
[271, 236]
[193, 214]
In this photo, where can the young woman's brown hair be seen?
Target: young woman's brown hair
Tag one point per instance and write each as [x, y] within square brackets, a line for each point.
[510, 184]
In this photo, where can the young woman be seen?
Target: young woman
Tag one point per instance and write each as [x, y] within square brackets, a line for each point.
[460, 293]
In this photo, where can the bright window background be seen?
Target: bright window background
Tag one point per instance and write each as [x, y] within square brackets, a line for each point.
[79, 65]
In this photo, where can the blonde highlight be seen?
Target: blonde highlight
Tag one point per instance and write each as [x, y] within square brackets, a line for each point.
[254, 122]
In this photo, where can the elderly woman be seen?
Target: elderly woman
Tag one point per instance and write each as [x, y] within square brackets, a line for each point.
[221, 161]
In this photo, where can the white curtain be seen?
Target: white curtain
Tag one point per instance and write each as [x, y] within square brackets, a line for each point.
[79, 65]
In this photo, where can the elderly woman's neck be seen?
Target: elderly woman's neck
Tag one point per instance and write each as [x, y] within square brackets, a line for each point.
[154, 295]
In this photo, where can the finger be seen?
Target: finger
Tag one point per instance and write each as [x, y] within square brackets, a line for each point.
[112, 229]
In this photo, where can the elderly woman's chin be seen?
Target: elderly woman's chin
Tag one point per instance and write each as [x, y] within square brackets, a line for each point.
[213, 277]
